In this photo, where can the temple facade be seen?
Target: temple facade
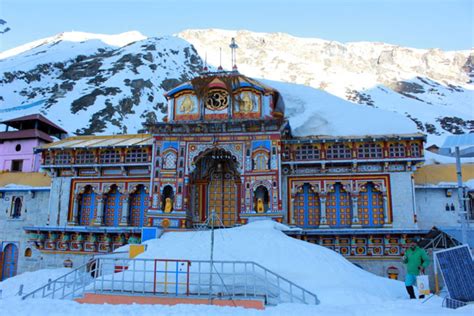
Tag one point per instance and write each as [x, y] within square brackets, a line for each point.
[226, 147]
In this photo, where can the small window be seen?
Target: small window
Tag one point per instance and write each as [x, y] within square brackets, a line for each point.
[338, 151]
[17, 165]
[137, 155]
[261, 161]
[369, 151]
[307, 152]
[169, 160]
[18, 147]
[17, 203]
[415, 150]
[397, 150]
[85, 157]
[28, 252]
[48, 158]
[110, 156]
[63, 158]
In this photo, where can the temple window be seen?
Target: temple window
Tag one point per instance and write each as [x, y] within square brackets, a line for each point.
[48, 158]
[261, 161]
[110, 156]
[28, 252]
[369, 151]
[63, 158]
[397, 150]
[261, 199]
[167, 198]
[415, 150]
[338, 151]
[307, 152]
[169, 160]
[85, 157]
[137, 155]
[17, 204]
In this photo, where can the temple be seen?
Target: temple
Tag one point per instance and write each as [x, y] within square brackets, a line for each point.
[225, 146]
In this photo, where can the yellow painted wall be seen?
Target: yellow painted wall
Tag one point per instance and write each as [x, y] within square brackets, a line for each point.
[34, 179]
[434, 174]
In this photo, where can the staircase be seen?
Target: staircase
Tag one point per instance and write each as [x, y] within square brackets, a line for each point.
[169, 278]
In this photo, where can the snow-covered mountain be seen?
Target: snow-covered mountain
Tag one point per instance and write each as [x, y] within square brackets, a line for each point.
[432, 87]
[93, 83]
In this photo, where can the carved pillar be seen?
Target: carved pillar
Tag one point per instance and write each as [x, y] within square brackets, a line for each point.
[322, 202]
[75, 209]
[124, 221]
[155, 201]
[355, 210]
[385, 209]
[100, 211]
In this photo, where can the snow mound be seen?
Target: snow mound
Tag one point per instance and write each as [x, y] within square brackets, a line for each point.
[321, 271]
[30, 281]
[316, 112]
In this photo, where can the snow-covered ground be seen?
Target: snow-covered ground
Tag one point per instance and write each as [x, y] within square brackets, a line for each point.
[30, 281]
[342, 288]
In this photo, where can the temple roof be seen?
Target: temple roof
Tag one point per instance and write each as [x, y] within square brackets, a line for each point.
[102, 141]
[26, 134]
[35, 121]
[229, 80]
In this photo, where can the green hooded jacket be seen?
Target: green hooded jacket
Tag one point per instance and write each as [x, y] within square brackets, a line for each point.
[414, 259]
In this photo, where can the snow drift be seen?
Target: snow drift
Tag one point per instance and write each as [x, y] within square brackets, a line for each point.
[321, 271]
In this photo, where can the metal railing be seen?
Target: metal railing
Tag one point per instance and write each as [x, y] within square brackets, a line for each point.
[232, 280]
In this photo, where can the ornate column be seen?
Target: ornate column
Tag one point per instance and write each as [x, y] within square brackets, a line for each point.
[124, 221]
[155, 201]
[355, 210]
[75, 209]
[322, 202]
[100, 211]
[385, 208]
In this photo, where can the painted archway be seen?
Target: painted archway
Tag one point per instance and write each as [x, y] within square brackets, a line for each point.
[113, 206]
[139, 200]
[371, 212]
[88, 206]
[338, 207]
[216, 186]
[306, 206]
[10, 261]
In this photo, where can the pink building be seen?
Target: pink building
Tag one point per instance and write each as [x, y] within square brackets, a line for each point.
[19, 139]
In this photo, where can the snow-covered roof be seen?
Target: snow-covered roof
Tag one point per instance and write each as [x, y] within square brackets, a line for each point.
[313, 112]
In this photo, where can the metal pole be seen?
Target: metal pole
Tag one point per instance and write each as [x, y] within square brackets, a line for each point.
[462, 210]
[212, 257]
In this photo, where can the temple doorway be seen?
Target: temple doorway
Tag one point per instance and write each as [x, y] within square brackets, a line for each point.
[215, 186]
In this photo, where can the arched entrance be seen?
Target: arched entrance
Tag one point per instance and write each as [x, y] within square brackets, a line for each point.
[10, 261]
[113, 206]
[215, 185]
[88, 208]
[139, 204]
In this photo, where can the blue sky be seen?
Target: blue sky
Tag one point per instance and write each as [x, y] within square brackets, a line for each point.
[444, 24]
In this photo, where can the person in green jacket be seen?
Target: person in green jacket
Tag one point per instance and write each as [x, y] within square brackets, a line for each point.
[416, 260]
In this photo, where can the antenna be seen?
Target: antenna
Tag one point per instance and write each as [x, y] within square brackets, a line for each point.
[233, 46]
[205, 69]
[220, 59]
